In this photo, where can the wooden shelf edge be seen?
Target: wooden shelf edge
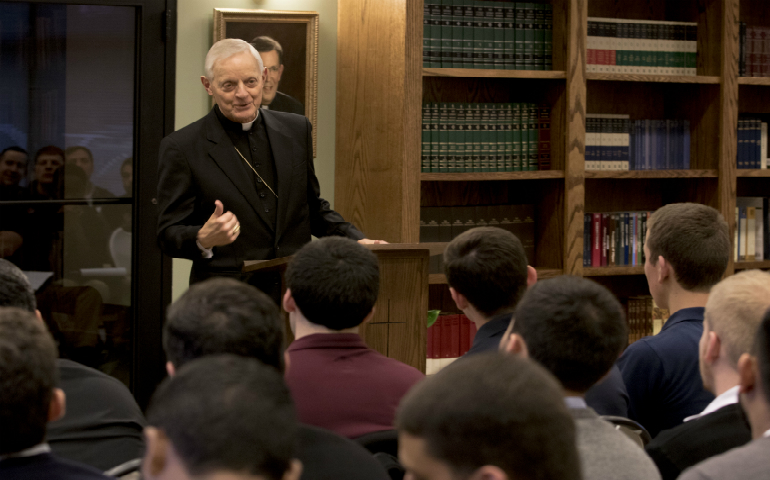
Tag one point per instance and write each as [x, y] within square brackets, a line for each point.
[612, 271]
[751, 265]
[629, 77]
[542, 273]
[761, 81]
[479, 176]
[488, 73]
[740, 172]
[700, 173]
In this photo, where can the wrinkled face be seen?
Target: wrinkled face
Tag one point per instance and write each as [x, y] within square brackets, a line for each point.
[274, 72]
[419, 465]
[237, 86]
[12, 167]
[46, 165]
[82, 159]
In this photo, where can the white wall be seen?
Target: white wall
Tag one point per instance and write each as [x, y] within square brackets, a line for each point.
[194, 38]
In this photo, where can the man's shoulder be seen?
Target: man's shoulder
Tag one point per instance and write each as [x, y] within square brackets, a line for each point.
[750, 461]
[47, 466]
[85, 384]
[192, 130]
[325, 454]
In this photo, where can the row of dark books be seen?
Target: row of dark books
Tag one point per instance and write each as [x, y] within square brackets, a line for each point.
[752, 232]
[614, 239]
[641, 47]
[485, 137]
[644, 318]
[752, 143]
[449, 338]
[615, 142]
[442, 224]
[487, 34]
[754, 51]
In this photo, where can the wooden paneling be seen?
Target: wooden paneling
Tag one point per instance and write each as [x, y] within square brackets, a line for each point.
[623, 195]
[695, 173]
[487, 73]
[477, 176]
[628, 77]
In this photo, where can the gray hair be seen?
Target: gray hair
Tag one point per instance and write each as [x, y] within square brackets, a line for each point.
[227, 48]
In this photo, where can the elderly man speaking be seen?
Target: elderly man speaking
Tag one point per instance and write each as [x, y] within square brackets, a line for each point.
[239, 183]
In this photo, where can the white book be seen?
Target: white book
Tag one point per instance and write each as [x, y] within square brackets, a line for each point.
[751, 237]
[759, 249]
[763, 146]
[751, 233]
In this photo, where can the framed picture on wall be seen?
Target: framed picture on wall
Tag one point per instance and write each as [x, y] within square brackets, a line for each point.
[288, 44]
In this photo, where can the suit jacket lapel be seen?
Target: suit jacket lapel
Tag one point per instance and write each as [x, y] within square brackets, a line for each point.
[283, 156]
[223, 153]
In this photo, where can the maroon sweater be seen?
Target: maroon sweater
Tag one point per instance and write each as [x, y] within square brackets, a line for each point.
[340, 384]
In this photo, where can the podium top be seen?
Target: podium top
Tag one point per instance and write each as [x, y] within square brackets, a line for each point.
[434, 248]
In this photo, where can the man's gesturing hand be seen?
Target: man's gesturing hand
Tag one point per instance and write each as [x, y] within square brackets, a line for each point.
[220, 229]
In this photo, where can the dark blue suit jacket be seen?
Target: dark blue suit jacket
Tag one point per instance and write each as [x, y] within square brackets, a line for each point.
[48, 467]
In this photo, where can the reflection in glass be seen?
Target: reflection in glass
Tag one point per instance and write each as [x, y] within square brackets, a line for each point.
[66, 170]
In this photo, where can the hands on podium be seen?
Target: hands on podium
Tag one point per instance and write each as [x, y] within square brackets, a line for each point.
[366, 241]
[220, 229]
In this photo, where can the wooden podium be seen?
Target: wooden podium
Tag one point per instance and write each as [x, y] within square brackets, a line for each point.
[399, 324]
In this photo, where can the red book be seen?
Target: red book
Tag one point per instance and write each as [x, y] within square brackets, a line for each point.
[605, 237]
[429, 346]
[446, 337]
[596, 240]
[465, 334]
[455, 336]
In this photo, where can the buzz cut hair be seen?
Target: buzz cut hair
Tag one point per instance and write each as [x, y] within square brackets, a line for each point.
[227, 48]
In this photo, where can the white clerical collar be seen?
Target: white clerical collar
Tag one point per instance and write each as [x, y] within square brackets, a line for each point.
[575, 403]
[29, 452]
[247, 126]
[727, 397]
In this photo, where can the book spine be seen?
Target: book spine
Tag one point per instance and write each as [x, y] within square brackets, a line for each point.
[596, 240]
[539, 37]
[516, 131]
[509, 35]
[425, 157]
[508, 135]
[485, 138]
[520, 35]
[458, 20]
[548, 37]
[605, 239]
[443, 138]
[529, 37]
[587, 239]
[534, 135]
[461, 158]
[524, 136]
[544, 138]
[476, 136]
[478, 34]
[489, 34]
[446, 33]
[426, 34]
[451, 154]
[498, 55]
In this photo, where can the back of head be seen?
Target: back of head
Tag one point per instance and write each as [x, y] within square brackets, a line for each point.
[15, 290]
[573, 327]
[268, 44]
[227, 414]
[334, 281]
[489, 267]
[493, 409]
[227, 48]
[694, 240]
[222, 315]
[735, 309]
[28, 376]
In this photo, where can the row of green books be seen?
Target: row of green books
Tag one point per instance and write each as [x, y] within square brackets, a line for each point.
[487, 34]
[485, 137]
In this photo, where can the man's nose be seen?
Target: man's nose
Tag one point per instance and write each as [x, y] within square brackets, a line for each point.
[242, 91]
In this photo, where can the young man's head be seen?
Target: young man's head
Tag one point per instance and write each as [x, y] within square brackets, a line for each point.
[82, 157]
[272, 56]
[754, 370]
[13, 166]
[47, 161]
[332, 283]
[29, 398]
[571, 326]
[15, 290]
[222, 415]
[733, 314]
[487, 271]
[687, 247]
[219, 316]
[489, 417]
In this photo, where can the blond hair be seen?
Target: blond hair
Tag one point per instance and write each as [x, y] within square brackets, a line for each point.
[227, 48]
[735, 309]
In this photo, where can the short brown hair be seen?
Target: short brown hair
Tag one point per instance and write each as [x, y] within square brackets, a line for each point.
[694, 239]
[735, 308]
[489, 267]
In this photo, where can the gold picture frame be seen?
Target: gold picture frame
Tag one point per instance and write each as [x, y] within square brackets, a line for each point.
[297, 32]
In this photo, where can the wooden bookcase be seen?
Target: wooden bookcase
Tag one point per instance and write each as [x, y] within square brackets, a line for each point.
[381, 86]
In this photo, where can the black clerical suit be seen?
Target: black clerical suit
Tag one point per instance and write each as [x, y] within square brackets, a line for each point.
[286, 103]
[199, 164]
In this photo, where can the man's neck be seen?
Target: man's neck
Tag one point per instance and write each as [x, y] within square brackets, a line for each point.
[479, 318]
[303, 327]
[679, 299]
[724, 379]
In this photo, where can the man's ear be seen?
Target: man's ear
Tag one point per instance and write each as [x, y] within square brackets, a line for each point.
[370, 316]
[207, 85]
[747, 373]
[488, 472]
[156, 451]
[280, 72]
[288, 301]
[58, 406]
[664, 269]
[531, 275]
[294, 471]
[460, 300]
[713, 346]
[170, 369]
[516, 346]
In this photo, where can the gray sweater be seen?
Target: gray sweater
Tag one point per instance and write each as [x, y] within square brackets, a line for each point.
[750, 462]
[608, 454]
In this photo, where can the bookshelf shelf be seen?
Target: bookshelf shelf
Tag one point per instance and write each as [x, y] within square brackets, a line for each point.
[628, 77]
[752, 173]
[491, 176]
[750, 265]
[486, 73]
[612, 271]
[760, 81]
[542, 273]
[699, 173]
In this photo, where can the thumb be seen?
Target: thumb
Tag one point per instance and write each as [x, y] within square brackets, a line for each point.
[218, 209]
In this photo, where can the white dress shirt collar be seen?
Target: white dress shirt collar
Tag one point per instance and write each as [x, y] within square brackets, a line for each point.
[575, 403]
[247, 126]
[726, 398]
[29, 452]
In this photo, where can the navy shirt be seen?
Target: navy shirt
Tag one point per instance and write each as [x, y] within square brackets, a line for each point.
[488, 337]
[662, 376]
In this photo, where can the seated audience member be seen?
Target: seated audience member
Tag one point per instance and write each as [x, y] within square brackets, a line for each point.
[13, 165]
[224, 316]
[686, 253]
[222, 417]
[487, 272]
[29, 400]
[490, 417]
[575, 329]
[47, 161]
[733, 313]
[339, 383]
[102, 426]
[750, 461]
[83, 158]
